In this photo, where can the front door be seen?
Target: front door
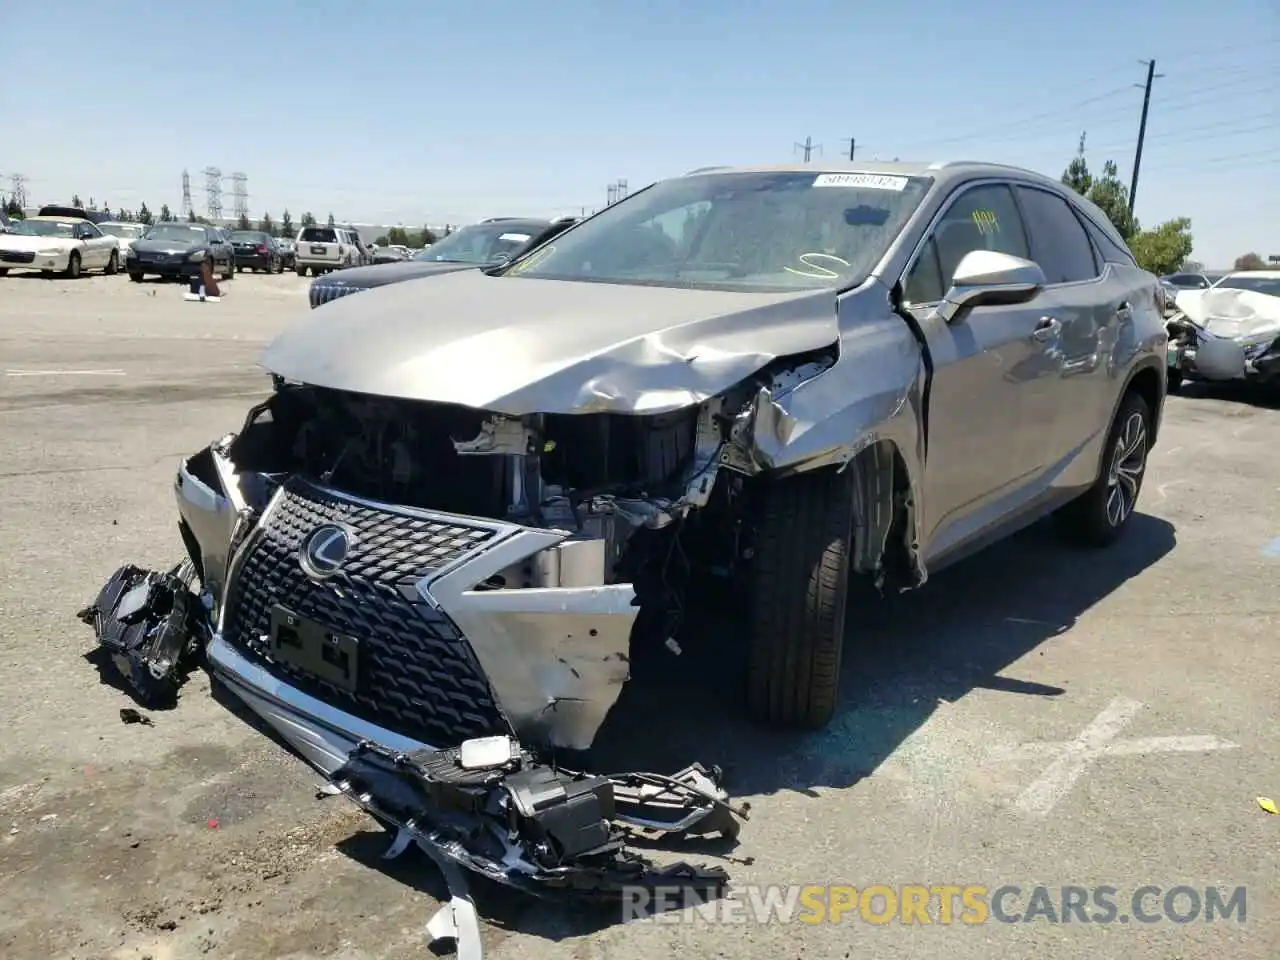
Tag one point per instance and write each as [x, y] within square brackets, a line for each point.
[996, 370]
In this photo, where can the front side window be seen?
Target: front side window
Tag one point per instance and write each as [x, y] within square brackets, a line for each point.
[1059, 243]
[743, 231]
[981, 218]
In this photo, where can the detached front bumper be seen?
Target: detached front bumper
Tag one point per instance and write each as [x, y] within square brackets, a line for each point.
[1222, 360]
[432, 652]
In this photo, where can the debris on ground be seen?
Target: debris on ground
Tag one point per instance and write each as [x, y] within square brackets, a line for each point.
[130, 715]
[492, 808]
[1269, 805]
[148, 624]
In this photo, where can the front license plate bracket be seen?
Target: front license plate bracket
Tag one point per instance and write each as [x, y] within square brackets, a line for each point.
[314, 649]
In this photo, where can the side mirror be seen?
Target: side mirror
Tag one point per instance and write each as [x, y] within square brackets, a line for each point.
[989, 278]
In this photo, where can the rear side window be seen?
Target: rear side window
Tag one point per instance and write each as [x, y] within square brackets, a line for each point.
[1111, 250]
[319, 235]
[1058, 240]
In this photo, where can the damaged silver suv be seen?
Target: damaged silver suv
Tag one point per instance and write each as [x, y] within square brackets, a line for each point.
[468, 496]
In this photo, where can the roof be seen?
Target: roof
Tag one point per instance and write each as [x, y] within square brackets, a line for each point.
[946, 170]
[1264, 274]
[61, 219]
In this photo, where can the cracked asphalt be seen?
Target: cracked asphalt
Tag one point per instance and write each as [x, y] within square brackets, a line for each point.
[1035, 716]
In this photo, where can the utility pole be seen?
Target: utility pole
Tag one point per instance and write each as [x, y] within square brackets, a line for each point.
[852, 144]
[187, 209]
[1142, 131]
[808, 147]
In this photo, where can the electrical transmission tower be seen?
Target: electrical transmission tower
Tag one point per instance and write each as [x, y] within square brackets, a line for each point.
[808, 147]
[617, 191]
[186, 196]
[18, 189]
[213, 192]
[240, 194]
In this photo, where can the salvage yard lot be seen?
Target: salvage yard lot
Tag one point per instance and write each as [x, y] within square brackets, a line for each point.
[196, 836]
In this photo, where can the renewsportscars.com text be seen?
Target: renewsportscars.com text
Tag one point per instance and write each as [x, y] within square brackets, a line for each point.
[945, 904]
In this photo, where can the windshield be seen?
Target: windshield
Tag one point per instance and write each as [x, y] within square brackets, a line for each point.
[129, 231]
[1190, 281]
[766, 232]
[43, 228]
[481, 242]
[1243, 281]
[248, 236]
[178, 233]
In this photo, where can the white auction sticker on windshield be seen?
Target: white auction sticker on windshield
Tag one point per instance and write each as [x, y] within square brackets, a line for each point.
[519, 237]
[866, 181]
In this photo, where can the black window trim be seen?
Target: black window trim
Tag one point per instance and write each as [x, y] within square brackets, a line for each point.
[1100, 271]
[960, 190]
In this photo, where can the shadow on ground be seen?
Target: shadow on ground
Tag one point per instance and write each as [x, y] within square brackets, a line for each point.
[903, 655]
[1266, 397]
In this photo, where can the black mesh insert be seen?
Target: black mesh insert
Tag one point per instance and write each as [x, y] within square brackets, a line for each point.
[418, 676]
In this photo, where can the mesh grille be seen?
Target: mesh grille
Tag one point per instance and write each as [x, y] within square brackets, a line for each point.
[417, 675]
[324, 292]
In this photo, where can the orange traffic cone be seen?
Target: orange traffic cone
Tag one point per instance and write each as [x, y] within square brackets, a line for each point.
[210, 284]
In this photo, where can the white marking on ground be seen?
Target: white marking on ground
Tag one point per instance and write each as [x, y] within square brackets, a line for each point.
[64, 373]
[1165, 486]
[1095, 741]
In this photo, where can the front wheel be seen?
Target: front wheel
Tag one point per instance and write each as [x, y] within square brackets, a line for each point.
[799, 587]
[1098, 516]
[113, 264]
[73, 265]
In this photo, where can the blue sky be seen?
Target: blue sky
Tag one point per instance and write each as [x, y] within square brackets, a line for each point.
[403, 110]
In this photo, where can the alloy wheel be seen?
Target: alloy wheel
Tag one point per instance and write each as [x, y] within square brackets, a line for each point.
[1128, 463]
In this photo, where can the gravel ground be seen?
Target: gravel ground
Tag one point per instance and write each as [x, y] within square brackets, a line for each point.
[198, 836]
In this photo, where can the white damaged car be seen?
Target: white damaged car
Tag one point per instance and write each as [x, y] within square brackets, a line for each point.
[1229, 332]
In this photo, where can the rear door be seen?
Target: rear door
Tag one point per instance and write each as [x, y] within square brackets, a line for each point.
[1088, 300]
[994, 377]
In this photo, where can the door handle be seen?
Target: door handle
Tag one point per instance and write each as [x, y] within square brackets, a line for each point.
[1124, 311]
[1047, 329]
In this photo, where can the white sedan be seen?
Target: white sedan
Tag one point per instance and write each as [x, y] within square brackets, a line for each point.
[58, 245]
[125, 233]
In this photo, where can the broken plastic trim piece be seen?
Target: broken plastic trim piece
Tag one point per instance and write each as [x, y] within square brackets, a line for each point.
[530, 826]
[149, 624]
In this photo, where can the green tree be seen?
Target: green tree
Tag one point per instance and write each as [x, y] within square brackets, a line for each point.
[397, 236]
[14, 209]
[308, 219]
[1110, 195]
[286, 225]
[330, 220]
[75, 200]
[166, 215]
[1250, 261]
[382, 241]
[144, 215]
[1164, 249]
[267, 225]
[191, 216]
[427, 237]
[242, 223]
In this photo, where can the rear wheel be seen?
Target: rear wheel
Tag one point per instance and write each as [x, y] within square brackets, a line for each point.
[1098, 516]
[135, 276]
[799, 582]
[300, 271]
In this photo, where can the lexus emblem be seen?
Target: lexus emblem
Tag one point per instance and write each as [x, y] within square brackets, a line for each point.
[324, 551]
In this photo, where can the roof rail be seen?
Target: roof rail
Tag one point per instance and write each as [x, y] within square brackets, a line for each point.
[720, 166]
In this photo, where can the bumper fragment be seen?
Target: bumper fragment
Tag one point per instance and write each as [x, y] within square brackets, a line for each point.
[149, 624]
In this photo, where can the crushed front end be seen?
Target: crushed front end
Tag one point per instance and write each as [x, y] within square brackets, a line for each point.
[418, 574]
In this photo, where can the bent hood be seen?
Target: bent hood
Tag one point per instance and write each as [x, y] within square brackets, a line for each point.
[523, 345]
[1232, 314]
